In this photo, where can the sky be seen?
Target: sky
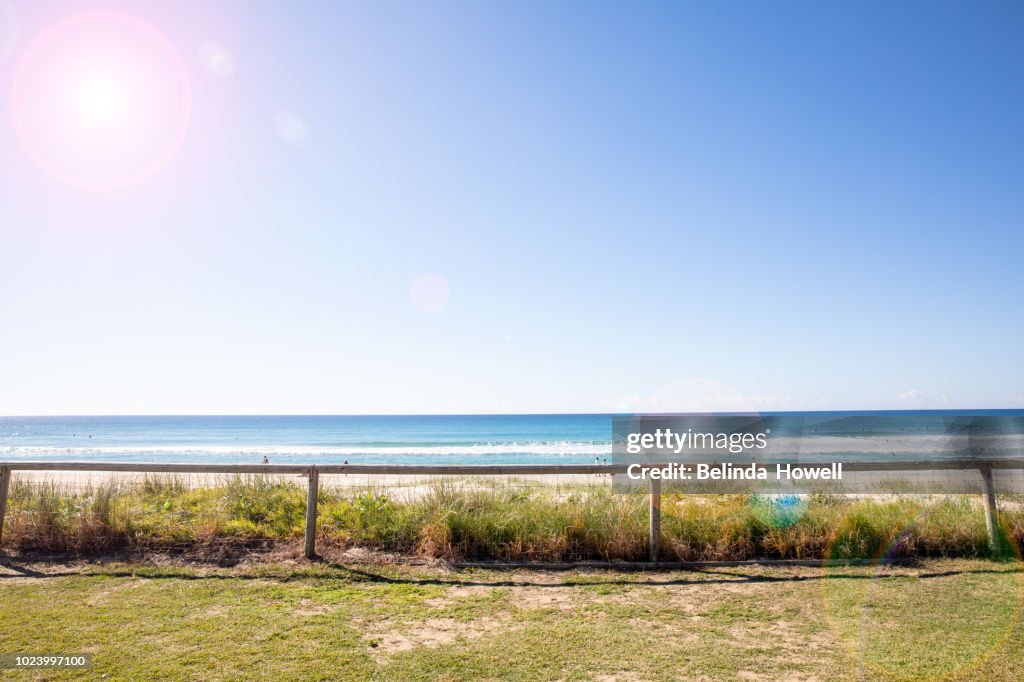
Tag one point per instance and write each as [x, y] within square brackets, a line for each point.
[456, 207]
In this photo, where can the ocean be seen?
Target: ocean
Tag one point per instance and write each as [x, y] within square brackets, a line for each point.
[463, 439]
[442, 439]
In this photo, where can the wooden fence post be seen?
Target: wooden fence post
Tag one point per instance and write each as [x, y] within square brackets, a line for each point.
[312, 496]
[988, 498]
[5, 484]
[655, 515]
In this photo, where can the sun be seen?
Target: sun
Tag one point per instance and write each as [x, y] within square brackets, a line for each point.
[100, 100]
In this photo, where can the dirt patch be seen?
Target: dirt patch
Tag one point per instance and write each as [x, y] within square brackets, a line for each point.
[679, 633]
[388, 638]
[309, 608]
[799, 646]
[543, 597]
[212, 612]
[101, 597]
[689, 600]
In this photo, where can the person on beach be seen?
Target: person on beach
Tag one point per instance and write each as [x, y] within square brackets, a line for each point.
[266, 460]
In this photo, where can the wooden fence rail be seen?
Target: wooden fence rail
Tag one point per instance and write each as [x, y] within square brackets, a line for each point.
[313, 473]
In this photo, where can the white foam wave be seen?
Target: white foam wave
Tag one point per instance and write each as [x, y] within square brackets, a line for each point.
[440, 450]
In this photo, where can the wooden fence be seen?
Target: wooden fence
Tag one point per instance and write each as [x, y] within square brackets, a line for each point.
[313, 473]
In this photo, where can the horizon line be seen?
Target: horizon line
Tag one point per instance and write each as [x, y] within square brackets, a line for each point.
[505, 414]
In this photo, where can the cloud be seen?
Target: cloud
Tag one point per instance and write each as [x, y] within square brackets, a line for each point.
[915, 397]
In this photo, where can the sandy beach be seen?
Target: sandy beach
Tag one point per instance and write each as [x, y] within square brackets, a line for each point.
[397, 485]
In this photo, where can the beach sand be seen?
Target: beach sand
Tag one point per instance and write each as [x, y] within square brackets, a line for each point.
[396, 485]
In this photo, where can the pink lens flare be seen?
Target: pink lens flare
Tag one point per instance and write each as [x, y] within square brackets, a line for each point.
[101, 100]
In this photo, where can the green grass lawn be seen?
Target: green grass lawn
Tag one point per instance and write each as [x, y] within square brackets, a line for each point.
[937, 619]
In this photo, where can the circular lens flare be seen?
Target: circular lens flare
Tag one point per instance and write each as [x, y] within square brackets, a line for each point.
[100, 100]
[868, 610]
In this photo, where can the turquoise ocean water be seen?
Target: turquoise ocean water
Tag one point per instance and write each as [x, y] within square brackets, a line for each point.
[443, 439]
[458, 439]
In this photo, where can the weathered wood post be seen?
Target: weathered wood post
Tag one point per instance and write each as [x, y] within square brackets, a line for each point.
[988, 498]
[312, 496]
[655, 540]
[5, 484]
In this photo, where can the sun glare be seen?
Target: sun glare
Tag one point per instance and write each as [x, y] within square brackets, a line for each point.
[100, 100]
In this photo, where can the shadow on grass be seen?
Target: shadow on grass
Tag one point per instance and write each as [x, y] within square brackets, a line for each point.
[717, 577]
[609, 575]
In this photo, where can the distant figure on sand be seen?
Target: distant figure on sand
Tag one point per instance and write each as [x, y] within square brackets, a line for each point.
[265, 460]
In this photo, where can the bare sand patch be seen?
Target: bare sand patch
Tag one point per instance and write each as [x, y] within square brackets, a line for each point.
[389, 637]
[309, 608]
[544, 597]
[101, 597]
[799, 646]
[212, 612]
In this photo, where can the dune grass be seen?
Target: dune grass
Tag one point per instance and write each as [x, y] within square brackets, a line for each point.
[460, 521]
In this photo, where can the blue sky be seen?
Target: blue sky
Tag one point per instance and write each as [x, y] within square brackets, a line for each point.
[678, 206]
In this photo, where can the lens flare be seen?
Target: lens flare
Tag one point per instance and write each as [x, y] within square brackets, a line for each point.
[863, 604]
[8, 29]
[292, 128]
[216, 59]
[100, 100]
[778, 511]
